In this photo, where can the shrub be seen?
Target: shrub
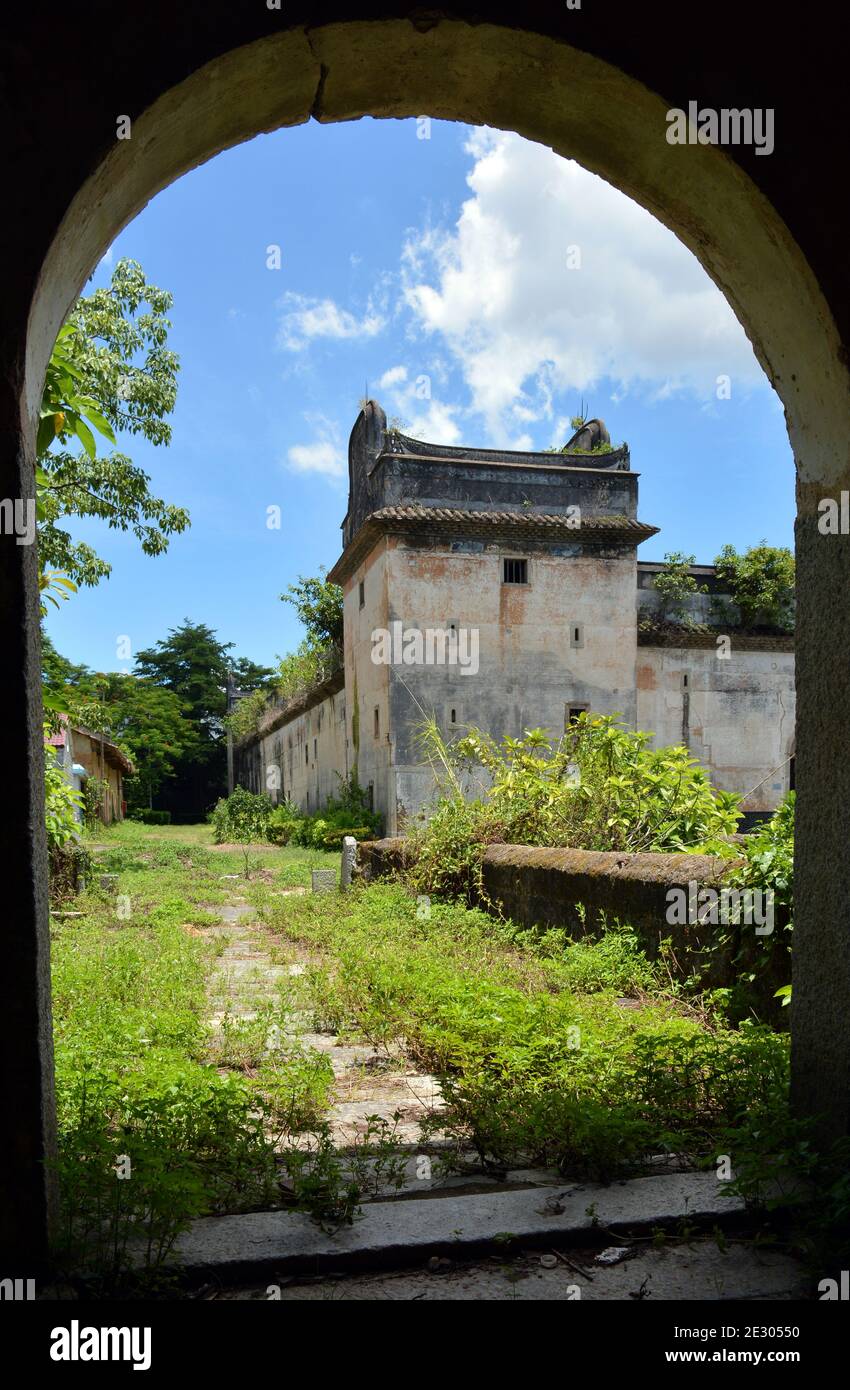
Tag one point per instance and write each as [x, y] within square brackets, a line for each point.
[191, 1142]
[761, 583]
[599, 788]
[61, 802]
[282, 822]
[536, 1061]
[146, 816]
[345, 814]
[675, 585]
[241, 816]
[769, 866]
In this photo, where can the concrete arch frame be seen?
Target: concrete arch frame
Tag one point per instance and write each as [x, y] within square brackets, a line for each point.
[593, 88]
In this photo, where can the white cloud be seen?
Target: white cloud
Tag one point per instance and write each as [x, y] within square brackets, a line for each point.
[423, 417]
[392, 377]
[324, 455]
[436, 423]
[530, 335]
[305, 319]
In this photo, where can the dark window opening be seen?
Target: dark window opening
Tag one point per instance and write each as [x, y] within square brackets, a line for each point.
[362, 594]
[306, 754]
[371, 795]
[573, 713]
[377, 722]
[515, 571]
[454, 716]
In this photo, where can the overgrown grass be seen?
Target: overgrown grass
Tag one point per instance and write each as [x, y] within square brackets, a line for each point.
[152, 1131]
[538, 1059]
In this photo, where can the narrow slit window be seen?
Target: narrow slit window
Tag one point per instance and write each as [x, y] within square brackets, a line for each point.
[362, 593]
[514, 571]
[377, 722]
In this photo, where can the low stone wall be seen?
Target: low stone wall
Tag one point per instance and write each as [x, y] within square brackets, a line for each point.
[582, 891]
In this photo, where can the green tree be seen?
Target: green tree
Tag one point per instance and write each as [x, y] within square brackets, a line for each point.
[249, 675]
[59, 674]
[111, 372]
[675, 584]
[761, 583]
[195, 666]
[192, 663]
[151, 723]
[318, 604]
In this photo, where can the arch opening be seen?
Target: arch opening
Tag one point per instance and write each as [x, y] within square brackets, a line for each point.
[585, 109]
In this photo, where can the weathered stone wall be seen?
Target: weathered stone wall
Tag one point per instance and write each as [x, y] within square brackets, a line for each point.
[736, 715]
[367, 684]
[302, 758]
[530, 672]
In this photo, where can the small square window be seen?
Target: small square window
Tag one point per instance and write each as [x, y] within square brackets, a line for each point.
[514, 571]
[362, 593]
[572, 714]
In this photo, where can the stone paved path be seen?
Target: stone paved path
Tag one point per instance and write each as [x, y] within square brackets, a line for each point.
[254, 967]
[253, 971]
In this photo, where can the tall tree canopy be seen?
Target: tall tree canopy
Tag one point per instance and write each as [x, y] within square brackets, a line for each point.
[111, 372]
[194, 665]
[167, 715]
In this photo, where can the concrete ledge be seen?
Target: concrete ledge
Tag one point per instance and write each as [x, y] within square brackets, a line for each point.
[397, 1233]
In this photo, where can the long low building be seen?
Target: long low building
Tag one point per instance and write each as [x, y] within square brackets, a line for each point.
[87, 757]
[503, 590]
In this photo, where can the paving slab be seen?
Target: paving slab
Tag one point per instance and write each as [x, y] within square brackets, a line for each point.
[408, 1231]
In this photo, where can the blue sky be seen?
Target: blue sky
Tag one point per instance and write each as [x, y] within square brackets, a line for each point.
[482, 289]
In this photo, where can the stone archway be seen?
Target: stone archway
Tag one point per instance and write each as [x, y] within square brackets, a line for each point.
[192, 92]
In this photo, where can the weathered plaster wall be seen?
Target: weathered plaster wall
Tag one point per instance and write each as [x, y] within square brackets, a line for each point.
[736, 715]
[367, 684]
[528, 672]
[302, 760]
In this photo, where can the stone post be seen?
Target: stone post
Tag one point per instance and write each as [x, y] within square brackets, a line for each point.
[349, 860]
